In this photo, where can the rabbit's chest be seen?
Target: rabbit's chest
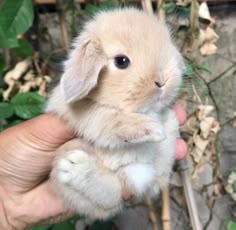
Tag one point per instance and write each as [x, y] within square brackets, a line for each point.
[137, 167]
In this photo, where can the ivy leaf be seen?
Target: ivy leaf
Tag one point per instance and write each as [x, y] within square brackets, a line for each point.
[28, 105]
[6, 110]
[44, 227]
[204, 68]
[184, 11]
[188, 70]
[102, 225]
[169, 7]
[15, 122]
[231, 225]
[2, 63]
[15, 18]
[8, 42]
[66, 225]
[92, 9]
[24, 49]
[108, 5]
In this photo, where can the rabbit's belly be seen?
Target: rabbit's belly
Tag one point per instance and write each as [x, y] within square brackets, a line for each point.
[139, 177]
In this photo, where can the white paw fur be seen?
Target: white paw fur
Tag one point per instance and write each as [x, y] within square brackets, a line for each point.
[90, 191]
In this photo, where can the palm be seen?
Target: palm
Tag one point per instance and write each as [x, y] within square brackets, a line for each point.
[26, 159]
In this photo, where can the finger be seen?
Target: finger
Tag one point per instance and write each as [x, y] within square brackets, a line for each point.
[126, 195]
[180, 113]
[48, 128]
[181, 149]
[54, 211]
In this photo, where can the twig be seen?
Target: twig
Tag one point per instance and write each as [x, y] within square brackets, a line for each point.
[160, 10]
[7, 58]
[152, 214]
[209, 93]
[188, 192]
[228, 121]
[196, 94]
[166, 209]
[220, 75]
[64, 33]
[147, 6]
[211, 216]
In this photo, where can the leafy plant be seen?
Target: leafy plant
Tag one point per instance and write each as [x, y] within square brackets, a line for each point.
[21, 107]
[231, 225]
[92, 9]
[16, 17]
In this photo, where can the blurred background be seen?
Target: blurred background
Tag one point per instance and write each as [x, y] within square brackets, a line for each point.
[35, 37]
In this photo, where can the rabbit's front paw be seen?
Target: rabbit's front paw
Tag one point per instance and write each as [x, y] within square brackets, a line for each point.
[86, 187]
[141, 129]
[71, 167]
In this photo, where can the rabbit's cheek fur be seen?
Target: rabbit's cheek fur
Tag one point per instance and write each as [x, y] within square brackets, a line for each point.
[126, 133]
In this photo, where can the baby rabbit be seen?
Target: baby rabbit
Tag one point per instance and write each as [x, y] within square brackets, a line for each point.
[121, 76]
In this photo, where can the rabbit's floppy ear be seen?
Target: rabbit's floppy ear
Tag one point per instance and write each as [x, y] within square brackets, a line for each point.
[82, 68]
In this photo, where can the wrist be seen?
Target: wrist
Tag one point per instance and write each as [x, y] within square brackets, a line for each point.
[9, 212]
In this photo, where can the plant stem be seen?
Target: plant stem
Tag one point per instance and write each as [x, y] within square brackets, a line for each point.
[63, 27]
[166, 209]
[152, 215]
[188, 192]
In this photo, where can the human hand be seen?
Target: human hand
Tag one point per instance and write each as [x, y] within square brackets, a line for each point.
[181, 146]
[26, 154]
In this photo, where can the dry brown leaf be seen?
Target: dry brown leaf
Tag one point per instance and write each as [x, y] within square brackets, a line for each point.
[191, 125]
[201, 37]
[12, 87]
[208, 49]
[27, 86]
[199, 148]
[204, 12]
[183, 2]
[213, 21]
[203, 111]
[215, 127]
[206, 126]
[210, 35]
[182, 21]
[207, 36]
[234, 124]
[17, 71]
[29, 76]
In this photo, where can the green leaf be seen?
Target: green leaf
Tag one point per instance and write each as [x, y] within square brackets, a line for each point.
[92, 9]
[66, 225]
[16, 122]
[169, 7]
[6, 110]
[2, 63]
[231, 225]
[188, 70]
[8, 42]
[204, 67]
[44, 227]
[15, 17]
[108, 5]
[184, 11]
[24, 49]
[102, 225]
[28, 105]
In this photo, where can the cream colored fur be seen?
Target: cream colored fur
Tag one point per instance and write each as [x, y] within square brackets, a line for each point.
[126, 132]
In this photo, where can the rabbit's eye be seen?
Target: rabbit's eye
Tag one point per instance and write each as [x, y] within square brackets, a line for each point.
[122, 62]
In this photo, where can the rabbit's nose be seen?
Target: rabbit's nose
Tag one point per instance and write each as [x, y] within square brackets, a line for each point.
[158, 84]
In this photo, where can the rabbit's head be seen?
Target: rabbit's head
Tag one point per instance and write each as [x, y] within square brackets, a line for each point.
[125, 59]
